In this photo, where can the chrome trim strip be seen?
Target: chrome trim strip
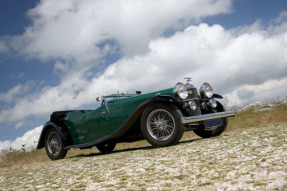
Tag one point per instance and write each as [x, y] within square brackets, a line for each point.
[191, 119]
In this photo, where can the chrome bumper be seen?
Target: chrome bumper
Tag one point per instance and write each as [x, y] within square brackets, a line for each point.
[197, 118]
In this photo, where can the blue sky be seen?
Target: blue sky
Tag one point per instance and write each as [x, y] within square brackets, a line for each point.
[62, 55]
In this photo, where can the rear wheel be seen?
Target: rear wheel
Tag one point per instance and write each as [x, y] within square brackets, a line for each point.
[106, 148]
[214, 131]
[54, 145]
[161, 124]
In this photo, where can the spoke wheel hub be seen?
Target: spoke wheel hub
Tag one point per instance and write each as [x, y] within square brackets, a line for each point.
[54, 143]
[161, 124]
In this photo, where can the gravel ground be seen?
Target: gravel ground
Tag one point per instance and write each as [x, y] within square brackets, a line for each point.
[254, 159]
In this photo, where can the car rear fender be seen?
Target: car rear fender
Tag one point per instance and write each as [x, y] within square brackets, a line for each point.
[63, 132]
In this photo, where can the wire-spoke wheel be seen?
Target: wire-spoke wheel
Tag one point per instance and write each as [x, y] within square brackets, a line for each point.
[54, 145]
[161, 124]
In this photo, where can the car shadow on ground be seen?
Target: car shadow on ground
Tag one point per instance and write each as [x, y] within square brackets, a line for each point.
[150, 147]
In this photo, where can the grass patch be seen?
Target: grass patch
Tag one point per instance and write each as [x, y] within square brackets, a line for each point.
[19, 158]
[205, 184]
[259, 184]
[254, 118]
[180, 177]
[250, 182]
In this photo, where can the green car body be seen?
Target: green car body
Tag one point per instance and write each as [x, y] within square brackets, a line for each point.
[88, 126]
[160, 117]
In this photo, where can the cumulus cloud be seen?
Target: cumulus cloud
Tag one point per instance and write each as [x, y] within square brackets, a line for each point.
[245, 94]
[28, 141]
[231, 63]
[3, 47]
[77, 29]
[79, 34]
[269, 89]
[206, 53]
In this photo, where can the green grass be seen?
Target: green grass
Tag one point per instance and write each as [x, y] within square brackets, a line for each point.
[205, 184]
[254, 117]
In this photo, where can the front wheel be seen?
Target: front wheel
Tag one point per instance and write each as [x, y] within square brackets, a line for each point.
[54, 145]
[161, 124]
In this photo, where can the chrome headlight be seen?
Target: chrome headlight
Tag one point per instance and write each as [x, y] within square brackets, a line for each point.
[180, 90]
[206, 90]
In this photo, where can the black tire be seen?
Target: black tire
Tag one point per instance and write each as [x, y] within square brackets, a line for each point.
[215, 131]
[161, 124]
[106, 148]
[54, 145]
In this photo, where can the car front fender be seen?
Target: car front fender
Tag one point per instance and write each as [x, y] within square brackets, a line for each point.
[217, 96]
[62, 132]
[139, 110]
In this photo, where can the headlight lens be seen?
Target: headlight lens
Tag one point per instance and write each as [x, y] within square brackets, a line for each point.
[192, 105]
[206, 90]
[181, 90]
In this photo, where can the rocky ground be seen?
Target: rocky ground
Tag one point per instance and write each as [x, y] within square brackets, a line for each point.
[254, 159]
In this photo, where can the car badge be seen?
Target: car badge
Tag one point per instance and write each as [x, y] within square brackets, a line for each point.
[190, 92]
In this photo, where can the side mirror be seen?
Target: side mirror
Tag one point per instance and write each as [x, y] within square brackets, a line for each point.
[99, 99]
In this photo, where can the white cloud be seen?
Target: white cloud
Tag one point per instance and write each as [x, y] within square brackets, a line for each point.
[76, 29]
[10, 95]
[3, 47]
[28, 141]
[269, 89]
[208, 53]
[79, 33]
[18, 125]
[17, 91]
[230, 62]
[281, 18]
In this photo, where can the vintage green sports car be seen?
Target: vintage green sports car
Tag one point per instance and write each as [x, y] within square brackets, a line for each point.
[160, 117]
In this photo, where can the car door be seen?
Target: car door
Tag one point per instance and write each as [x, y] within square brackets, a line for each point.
[94, 124]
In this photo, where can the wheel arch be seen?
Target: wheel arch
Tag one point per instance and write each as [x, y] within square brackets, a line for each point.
[167, 99]
[63, 132]
[140, 109]
[220, 107]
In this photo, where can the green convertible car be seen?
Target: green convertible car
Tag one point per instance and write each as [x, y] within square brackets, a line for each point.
[160, 117]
